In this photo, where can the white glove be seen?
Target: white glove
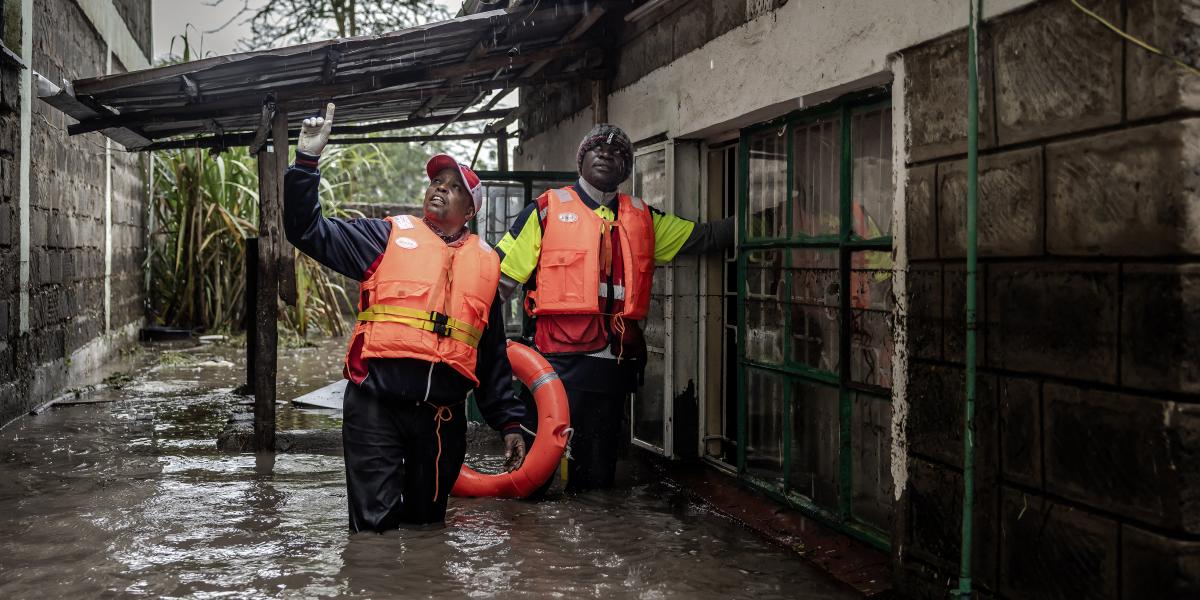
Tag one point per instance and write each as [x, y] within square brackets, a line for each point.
[314, 133]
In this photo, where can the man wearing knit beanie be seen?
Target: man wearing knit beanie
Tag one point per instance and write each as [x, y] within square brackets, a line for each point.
[587, 253]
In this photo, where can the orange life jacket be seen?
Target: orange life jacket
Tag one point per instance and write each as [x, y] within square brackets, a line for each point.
[426, 299]
[569, 269]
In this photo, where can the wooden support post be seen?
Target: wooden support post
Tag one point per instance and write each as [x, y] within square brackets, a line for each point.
[251, 304]
[286, 255]
[502, 149]
[266, 340]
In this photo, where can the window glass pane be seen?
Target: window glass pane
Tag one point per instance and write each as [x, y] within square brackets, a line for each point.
[814, 308]
[650, 178]
[764, 306]
[871, 309]
[817, 148]
[764, 425]
[767, 185]
[815, 443]
[872, 481]
[872, 173]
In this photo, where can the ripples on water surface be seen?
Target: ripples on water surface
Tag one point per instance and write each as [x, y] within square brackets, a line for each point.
[131, 498]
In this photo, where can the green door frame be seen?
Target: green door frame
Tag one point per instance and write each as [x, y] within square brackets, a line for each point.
[846, 242]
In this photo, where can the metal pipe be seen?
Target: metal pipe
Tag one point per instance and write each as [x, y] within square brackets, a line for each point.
[968, 506]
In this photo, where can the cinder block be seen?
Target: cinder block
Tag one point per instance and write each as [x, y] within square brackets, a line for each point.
[925, 310]
[936, 397]
[954, 312]
[727, 14]
[1121, 453]
[935, 95]
[1010, 221]
[1154, 85]
[7, 236]
[1156, 566]
[921, 212]
[10, 89]
[1074, 87]
[1160, 327]
[1130, 192]
[1050, 551]
[692, 28]
[935, 519]
[1020, 405]
[1058, 319]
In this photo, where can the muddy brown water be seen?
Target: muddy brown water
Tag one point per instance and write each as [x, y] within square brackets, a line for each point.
[125, 495]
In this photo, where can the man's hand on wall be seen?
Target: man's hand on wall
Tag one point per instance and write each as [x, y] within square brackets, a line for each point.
[314, 133]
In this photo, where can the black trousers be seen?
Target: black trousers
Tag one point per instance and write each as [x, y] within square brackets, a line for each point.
[597, 419]
[394, 475]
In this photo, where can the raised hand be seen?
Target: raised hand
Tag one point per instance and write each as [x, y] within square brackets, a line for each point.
[314, 132]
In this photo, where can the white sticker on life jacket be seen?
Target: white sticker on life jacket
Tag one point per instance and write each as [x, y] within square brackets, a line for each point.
[407, 243]
[403, 222]
[568, 217]
[483, 244]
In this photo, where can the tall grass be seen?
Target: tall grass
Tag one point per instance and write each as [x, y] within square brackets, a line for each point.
[204, 207]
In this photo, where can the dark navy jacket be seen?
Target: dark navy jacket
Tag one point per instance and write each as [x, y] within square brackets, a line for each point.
[354, 247]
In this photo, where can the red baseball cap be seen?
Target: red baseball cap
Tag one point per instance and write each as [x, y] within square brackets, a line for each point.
[440, 162]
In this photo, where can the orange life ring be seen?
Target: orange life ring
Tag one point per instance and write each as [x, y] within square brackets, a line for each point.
[554, 422]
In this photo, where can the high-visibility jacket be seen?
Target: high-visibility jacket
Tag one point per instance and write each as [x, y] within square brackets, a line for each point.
[427, 300]
[570, 267]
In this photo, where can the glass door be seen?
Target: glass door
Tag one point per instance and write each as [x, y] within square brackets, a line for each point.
[651, 410]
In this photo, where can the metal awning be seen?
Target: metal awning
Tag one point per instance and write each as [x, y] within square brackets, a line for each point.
[431, 74]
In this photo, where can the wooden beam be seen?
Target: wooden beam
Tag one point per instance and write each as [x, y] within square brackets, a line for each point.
[571, 36]
[264, 128]
[266, 343]
[286, 257]
[599, 101]
[232, 141]
[329, 69]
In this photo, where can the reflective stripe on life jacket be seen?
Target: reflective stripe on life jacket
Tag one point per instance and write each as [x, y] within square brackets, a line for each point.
[426, 299]
[570, 267]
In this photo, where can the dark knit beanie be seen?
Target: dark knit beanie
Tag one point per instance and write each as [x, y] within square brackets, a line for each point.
[605, 133]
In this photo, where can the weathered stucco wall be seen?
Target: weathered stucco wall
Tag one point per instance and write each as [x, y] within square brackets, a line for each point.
[84, 227]
[1090, 299]
[682, 79]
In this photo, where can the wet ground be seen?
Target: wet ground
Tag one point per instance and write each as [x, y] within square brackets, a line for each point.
[125, 494]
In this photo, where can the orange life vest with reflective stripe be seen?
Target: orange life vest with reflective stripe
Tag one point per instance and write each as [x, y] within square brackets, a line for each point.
[569, 269]
[426, 299]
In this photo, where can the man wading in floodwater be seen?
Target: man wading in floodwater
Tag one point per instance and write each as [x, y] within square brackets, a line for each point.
[428, 333]
[593, 251]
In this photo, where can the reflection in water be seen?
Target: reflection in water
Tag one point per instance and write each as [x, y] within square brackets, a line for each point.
[129, 497]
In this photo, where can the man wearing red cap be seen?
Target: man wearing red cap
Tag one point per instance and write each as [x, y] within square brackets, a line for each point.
[428, 332]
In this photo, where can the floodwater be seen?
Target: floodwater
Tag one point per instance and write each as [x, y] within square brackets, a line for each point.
[126, 495]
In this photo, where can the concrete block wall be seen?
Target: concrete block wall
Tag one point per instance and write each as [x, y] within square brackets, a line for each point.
[10, 149]
[656, 40]
[1089, 239]
[87, 205]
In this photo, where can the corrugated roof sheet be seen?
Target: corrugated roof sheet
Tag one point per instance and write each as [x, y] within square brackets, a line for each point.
[435, 70]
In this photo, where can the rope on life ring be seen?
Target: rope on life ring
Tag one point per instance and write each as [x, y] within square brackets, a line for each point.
[554, 428]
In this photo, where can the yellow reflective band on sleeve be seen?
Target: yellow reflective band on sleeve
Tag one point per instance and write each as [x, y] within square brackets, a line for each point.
[423, 320]
[670, 233]
[521, 252]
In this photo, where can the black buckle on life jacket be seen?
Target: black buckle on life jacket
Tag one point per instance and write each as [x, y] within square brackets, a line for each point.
[440, 323]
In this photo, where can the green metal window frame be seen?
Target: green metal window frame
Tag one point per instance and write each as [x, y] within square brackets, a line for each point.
[846, 243]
